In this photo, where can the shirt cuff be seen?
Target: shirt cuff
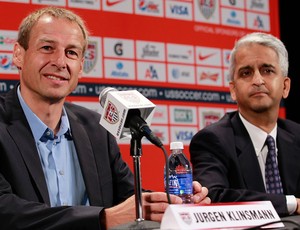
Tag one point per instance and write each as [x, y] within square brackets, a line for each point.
[291, 203]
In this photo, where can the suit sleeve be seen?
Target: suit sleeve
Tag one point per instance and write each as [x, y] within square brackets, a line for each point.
[17, 213]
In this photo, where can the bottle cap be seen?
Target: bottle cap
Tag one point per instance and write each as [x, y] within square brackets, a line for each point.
[176, 145]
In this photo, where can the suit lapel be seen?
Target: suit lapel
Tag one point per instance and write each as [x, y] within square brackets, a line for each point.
[288, 164]
[86, 159]
[247, 157]
[20, 132]
[28, 150]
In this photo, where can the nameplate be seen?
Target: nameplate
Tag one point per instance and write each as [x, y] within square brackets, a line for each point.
[220, 215]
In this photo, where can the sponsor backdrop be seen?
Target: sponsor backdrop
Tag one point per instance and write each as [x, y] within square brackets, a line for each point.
[175, 52]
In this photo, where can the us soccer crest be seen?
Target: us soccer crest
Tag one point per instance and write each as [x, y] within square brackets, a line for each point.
[90, 57]
[185, 216]
[111, 113]
[207, 7]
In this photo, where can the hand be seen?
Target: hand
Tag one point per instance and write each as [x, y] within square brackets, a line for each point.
[154, 206]
[200, 194]
[298, 206]
[156, 203]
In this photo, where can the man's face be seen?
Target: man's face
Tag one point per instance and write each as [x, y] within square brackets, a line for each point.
[52, 64]
[258, 84]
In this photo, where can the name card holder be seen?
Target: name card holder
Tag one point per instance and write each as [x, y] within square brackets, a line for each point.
[236, 215]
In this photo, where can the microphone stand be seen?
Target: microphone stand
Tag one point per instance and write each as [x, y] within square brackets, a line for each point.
[136, 153]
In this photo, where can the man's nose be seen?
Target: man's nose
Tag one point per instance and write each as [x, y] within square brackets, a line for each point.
[59, 59]
[258, 79]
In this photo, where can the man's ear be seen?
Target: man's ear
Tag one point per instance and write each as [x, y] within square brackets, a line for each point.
[18, 55]
[81, 69]
[286, 87]
[232, 90]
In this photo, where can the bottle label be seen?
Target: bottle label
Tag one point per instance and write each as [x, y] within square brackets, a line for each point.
[180, 184]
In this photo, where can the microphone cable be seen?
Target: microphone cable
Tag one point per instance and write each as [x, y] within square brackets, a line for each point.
[166, 173]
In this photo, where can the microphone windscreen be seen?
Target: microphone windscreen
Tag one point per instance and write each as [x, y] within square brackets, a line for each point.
[103, 95]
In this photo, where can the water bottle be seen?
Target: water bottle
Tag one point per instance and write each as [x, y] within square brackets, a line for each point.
[180, 174]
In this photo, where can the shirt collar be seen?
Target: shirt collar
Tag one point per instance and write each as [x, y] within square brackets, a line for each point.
[257, 135]
[38, 128]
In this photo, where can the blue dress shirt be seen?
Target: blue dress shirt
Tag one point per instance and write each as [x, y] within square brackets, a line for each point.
[59, 160]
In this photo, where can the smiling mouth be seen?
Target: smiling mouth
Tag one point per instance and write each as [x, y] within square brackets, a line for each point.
[55, 78]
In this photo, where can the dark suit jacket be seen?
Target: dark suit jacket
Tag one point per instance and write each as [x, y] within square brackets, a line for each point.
[224, 160]
[24, 199]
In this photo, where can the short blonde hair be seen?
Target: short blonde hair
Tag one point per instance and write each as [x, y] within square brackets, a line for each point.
[56, 12]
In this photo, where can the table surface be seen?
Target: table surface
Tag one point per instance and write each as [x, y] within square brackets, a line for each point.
[290, 223]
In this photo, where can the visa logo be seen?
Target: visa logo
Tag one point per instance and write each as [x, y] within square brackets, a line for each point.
[184, 135]
[181, 10]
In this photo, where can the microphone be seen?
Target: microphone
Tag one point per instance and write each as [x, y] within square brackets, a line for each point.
[126, 111]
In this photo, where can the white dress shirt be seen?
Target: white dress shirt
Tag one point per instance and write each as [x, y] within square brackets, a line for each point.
[258, 138]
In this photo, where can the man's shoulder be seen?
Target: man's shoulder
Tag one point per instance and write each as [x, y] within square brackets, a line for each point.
[287, 124]
[9, 106]
[224, 121]
[221, 128]
[80, 110]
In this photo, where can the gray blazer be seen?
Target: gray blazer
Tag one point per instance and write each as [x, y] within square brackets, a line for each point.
[24, 198]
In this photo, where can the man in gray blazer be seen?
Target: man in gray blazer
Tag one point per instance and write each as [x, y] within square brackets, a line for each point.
[229, 156]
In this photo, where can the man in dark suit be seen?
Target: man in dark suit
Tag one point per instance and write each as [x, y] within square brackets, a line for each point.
[229, 156]
[59, 169]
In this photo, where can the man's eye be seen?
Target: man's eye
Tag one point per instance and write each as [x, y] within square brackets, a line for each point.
[47, 48]
[72, 53]
[268, 71]
[245, 73]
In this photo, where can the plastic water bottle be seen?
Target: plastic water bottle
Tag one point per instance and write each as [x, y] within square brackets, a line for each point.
[180, 174]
